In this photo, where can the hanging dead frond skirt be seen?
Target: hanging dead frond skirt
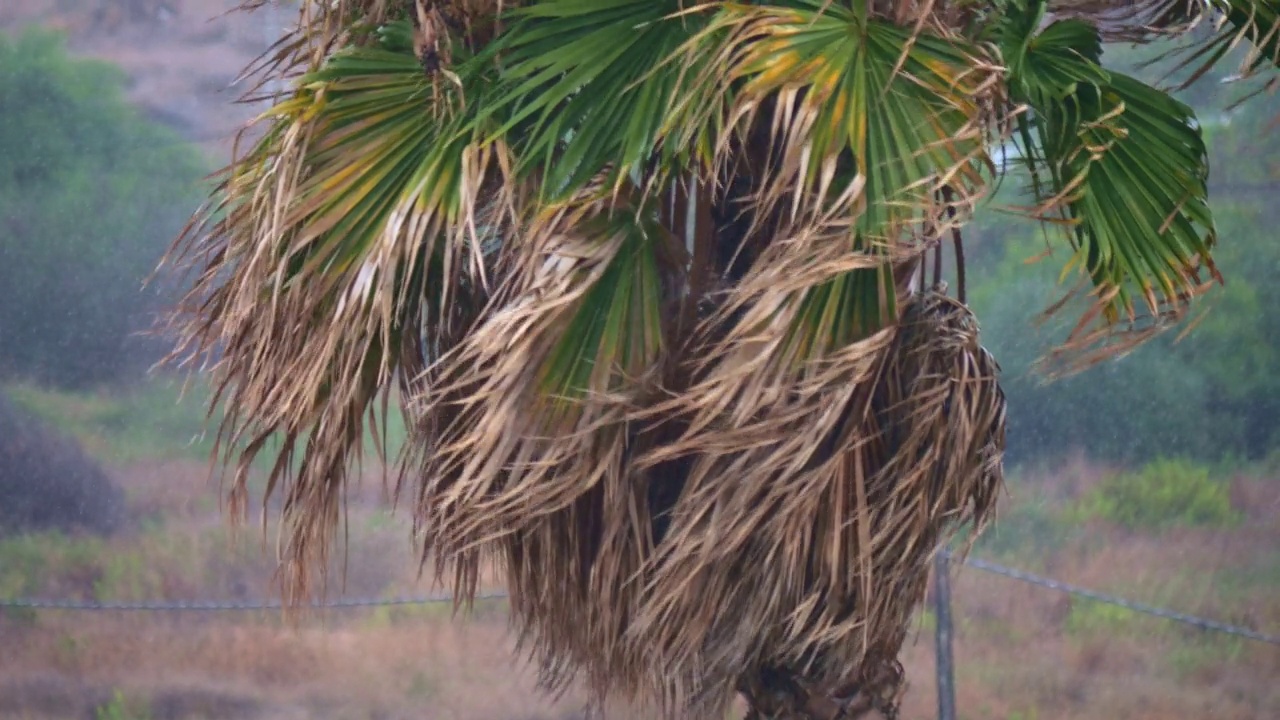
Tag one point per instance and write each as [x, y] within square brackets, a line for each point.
[799, 594]
[932, 449]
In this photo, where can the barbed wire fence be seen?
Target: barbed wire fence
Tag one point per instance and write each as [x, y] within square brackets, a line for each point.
[944, 629]
[942, 601]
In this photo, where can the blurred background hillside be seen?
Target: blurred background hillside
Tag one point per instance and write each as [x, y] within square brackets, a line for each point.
[1156, 476]
[179, 58]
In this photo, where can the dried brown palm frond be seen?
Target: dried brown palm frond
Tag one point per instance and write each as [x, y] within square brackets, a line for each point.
[532, 463]
[1135, 20]
[1208, 31]
[323, 28]
[311, 287]
[771, 433]
[818, 551]
[1253, 27]
[573, 516]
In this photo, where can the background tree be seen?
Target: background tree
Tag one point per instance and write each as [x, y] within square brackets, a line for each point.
[89, 192]
[664, 288]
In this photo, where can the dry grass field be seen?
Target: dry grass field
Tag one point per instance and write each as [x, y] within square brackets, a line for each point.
[1022, 652]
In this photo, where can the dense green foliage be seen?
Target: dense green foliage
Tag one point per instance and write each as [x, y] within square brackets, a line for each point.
[144, 421]
[1163, 494]
[90, 193]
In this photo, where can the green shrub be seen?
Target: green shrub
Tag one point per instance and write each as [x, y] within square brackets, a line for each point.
[36, 563]
[123, 708]
[90, 194]
[147, 420]
[47, 480]
[158, 418]
[1194, 653]
[1163, 494]
[1097, 618]
[1025, 529]
[128, 577]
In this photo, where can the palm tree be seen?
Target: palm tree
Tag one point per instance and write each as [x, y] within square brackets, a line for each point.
[672, 294]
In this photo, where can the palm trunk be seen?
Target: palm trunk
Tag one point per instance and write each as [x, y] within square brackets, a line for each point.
[780, 695]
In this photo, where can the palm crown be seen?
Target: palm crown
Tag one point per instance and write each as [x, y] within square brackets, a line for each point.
[662, 288]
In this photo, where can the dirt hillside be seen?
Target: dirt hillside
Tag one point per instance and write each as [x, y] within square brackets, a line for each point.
[181, 56]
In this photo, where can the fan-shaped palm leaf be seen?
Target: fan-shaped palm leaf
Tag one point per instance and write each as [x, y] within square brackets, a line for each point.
[1122, 165]
[587, 87]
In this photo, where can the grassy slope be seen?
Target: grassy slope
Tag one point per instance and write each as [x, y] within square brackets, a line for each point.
[1022, 652]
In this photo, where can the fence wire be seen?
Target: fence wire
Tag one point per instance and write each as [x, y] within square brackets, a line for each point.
[1051, 584]
[214, 605]
[976, 563]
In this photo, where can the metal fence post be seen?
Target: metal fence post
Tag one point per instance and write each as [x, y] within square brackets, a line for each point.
[945, 660]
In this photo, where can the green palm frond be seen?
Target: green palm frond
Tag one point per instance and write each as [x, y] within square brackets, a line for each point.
[871, 123]
[357, 219]
[866, 114]
[587, 85]
[1122, 167]
[868, 123]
